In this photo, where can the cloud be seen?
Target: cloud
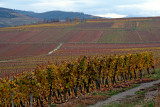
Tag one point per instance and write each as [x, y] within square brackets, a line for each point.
[109, 8]
[112, 15]
[148, 8]
[150, 5]
[64, 5]
[1, 4]
[53, 5]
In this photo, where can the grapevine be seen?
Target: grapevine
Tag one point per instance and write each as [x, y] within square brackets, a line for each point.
[56, 83]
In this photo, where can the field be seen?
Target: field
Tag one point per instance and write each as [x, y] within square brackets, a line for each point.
[56, 62]
[22, 48]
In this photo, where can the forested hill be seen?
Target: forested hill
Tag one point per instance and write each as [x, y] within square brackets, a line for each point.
[9, 17]
[7, 13]
[12, 17]
[61, 15]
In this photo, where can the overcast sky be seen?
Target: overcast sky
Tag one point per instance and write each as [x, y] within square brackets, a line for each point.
[106, 8]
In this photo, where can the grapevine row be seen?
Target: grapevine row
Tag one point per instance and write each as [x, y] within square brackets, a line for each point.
[56, 83]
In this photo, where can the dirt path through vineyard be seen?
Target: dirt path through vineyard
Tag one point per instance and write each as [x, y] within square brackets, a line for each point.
[124, 94]
[49, 53]
[58, 47]
[5, 61]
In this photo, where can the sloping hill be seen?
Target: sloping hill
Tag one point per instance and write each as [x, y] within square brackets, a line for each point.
[81, 37]
[7, 13]
[135, 30]
[29, 45]
[9, 17]
[61, 15]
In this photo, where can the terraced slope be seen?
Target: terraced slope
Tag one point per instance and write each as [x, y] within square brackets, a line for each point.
[29, 45]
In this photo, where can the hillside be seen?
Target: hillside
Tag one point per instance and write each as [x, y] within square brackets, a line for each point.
[131, 30]
[80, 37]
[61, 15]
[7, 13]
[23, 47]
[10, 17]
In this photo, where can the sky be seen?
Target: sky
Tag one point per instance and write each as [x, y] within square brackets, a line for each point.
[104, 8]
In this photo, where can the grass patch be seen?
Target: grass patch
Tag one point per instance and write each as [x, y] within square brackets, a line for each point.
[99, 93]
[80, 106]
[113, 92]
[150, 103]
[114, 104]
[144, 103]
[53, 105]
[140, 92]
[156, 75]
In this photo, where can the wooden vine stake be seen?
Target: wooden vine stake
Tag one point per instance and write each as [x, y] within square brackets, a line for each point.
[31, 99]
[31, 94]
[12, 94]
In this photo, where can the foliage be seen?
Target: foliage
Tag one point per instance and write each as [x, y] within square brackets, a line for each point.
[56, 83]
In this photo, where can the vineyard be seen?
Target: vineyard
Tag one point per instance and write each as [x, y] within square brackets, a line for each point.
[56, 83]
[44, 64]
[23, 47]
[105, 31]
